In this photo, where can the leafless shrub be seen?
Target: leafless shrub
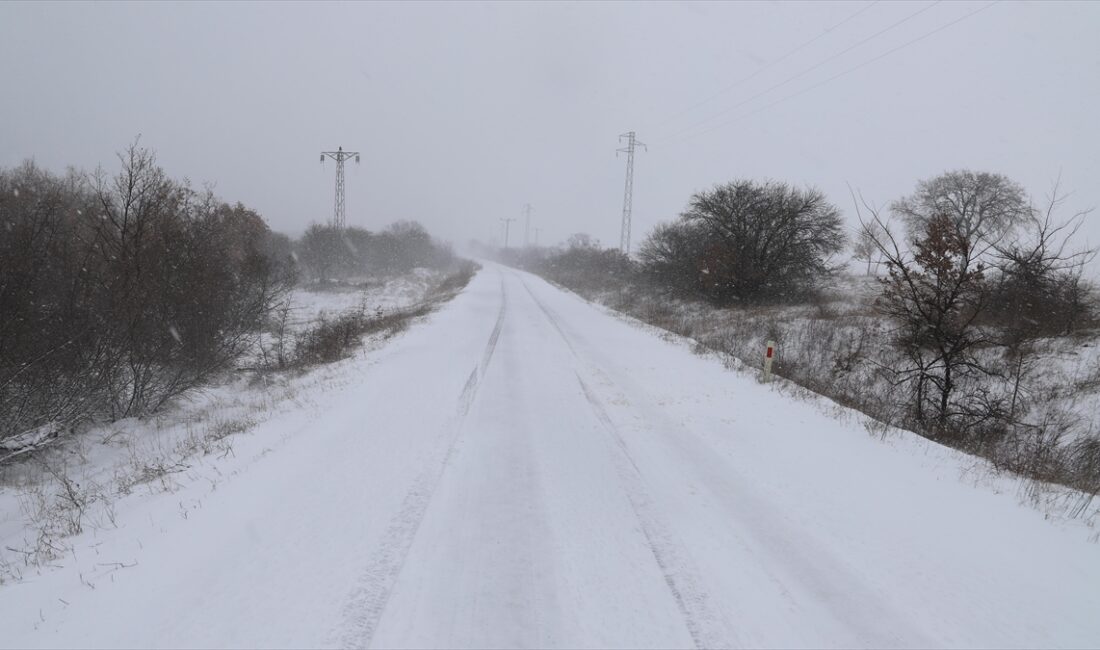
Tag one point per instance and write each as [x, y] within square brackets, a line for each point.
[1040, 289]
[277, 354]
[589, 269]
[120, 292]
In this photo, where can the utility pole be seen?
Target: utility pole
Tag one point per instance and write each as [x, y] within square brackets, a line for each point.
[339, 156]
[527, 228]
[507, 223]
[628, 192]
[537, 236]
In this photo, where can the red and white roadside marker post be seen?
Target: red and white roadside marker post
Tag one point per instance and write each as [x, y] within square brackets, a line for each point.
[769, 355]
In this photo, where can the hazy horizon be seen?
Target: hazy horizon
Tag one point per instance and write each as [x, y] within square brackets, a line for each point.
[463, 113]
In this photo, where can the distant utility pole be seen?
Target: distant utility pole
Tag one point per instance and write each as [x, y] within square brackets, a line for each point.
[339, 156]
[507, 223]
[527, 228]
[628, 192]
[537, 236]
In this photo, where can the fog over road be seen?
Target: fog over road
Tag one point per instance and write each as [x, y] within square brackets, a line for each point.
[525, 469]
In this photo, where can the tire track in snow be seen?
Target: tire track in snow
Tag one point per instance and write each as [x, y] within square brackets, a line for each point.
[466, 399]
[678, 572]
[367, 603]
[494, 337]
[832, 582]
[814, 568]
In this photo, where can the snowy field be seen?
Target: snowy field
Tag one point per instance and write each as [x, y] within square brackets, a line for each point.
[401, 291]
[524, 469]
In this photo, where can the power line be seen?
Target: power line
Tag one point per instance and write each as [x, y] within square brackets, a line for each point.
[507, 223]
[846, 72]
[527, 224]
[803, 73]
[338, 220]
[767, 66]
[628, 191]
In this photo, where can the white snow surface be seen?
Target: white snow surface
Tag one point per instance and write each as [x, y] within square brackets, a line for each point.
[527, 470]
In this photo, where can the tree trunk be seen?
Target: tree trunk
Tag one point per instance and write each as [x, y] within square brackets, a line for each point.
[945, 394]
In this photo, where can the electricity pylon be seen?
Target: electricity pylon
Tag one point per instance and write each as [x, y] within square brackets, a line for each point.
[628, 192]
[339, 156]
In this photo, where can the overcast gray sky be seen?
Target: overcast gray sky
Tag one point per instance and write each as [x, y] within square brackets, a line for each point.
[463, 112]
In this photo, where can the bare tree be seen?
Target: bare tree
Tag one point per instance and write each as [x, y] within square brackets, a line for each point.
[935, 297]
[765, 240]
[865, 248]
[983, 207]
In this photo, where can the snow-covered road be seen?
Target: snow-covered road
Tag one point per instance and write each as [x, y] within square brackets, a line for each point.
[527, 470]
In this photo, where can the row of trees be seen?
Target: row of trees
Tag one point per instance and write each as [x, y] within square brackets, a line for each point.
[326, 253]
[118, 292]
